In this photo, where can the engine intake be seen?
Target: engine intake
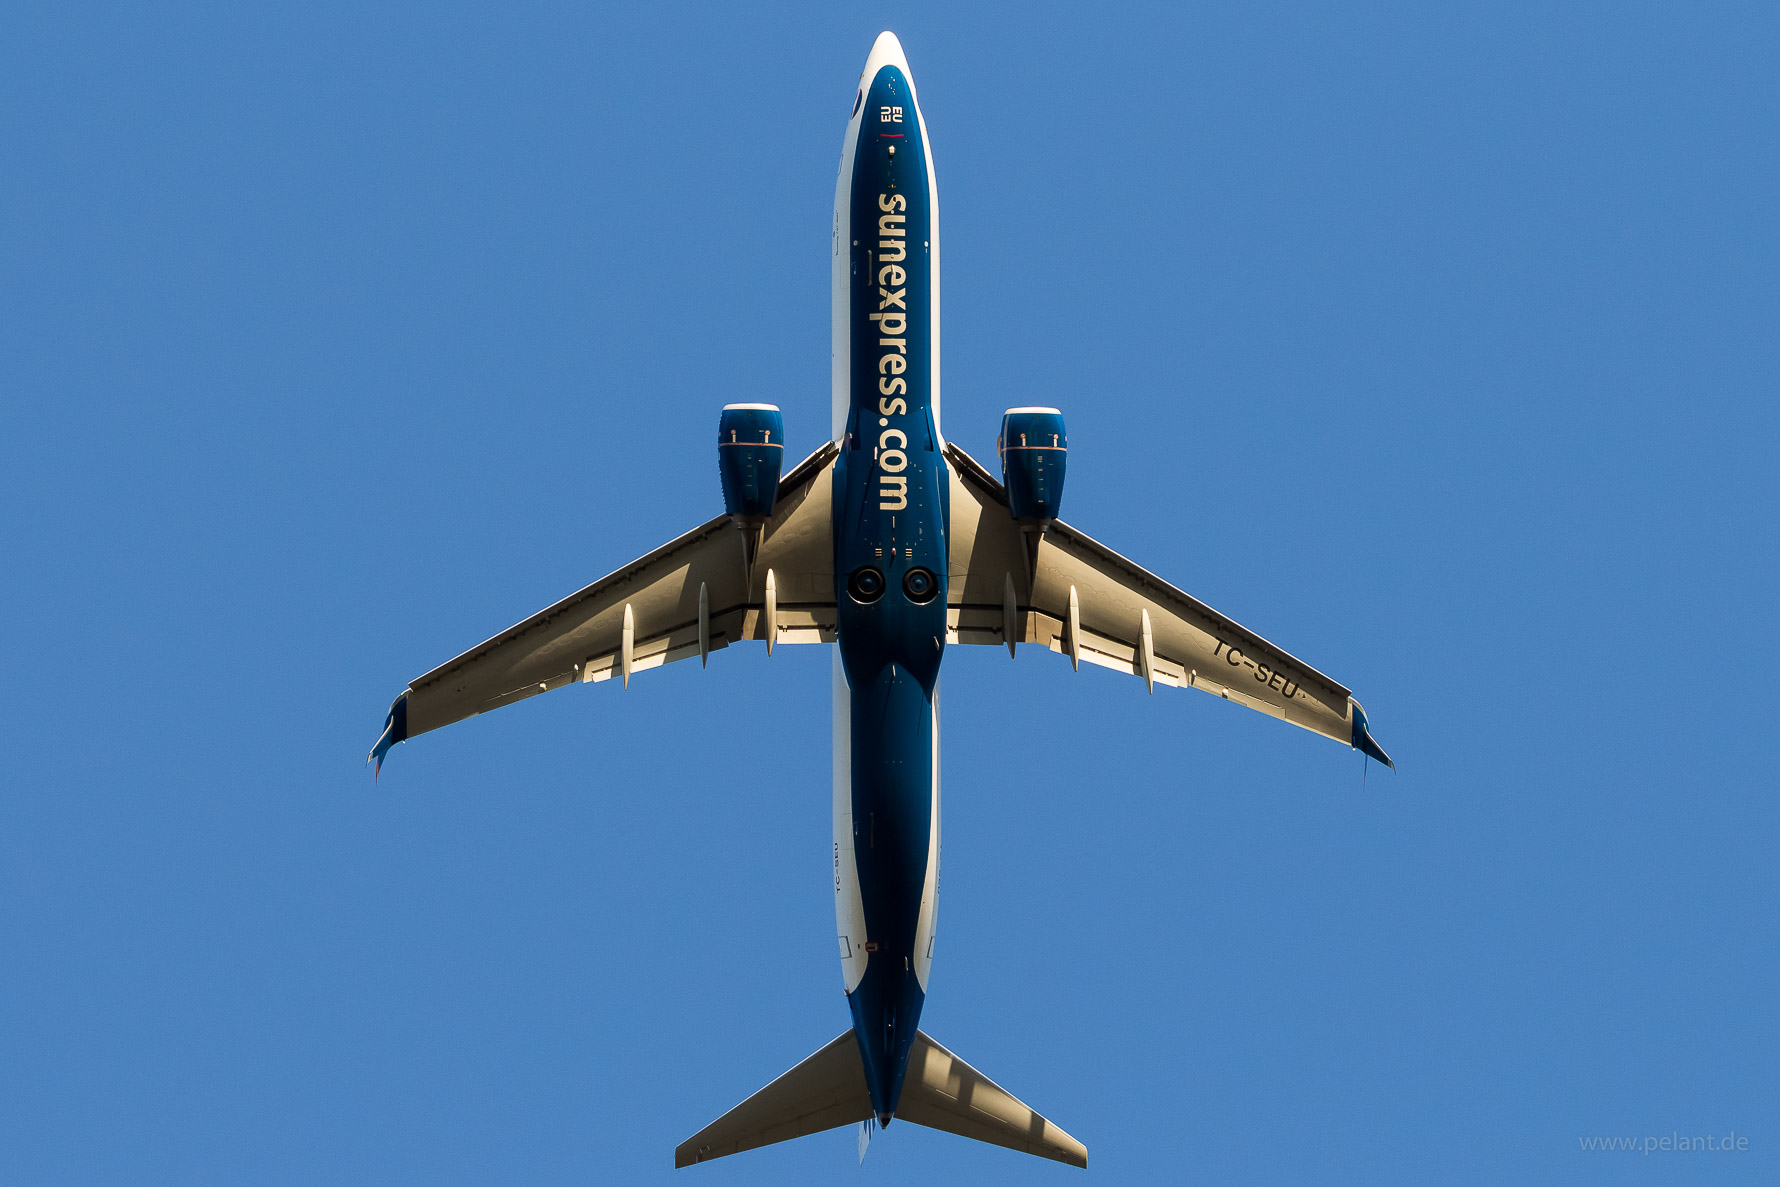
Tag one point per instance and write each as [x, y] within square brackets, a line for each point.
[1034, 453]
[750, 454]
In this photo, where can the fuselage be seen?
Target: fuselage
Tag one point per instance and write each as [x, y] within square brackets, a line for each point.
[891, 492]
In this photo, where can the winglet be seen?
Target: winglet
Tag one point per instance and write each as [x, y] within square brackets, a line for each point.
[1363, 740]
[395, 729]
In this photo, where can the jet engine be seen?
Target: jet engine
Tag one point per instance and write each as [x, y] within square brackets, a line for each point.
[750, 454]
[1034, 453]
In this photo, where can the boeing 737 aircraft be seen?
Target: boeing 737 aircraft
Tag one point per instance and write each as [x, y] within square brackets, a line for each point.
[889, 543]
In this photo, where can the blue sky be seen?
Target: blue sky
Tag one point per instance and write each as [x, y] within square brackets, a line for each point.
[1437, 346]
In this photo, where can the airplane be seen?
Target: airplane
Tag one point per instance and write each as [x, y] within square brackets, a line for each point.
[890, 543]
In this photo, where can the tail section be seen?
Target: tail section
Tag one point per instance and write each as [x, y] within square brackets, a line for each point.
[828, 1090]
[824, 1091]
[941, 1091]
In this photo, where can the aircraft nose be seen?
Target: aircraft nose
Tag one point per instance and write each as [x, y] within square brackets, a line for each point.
[887, 51]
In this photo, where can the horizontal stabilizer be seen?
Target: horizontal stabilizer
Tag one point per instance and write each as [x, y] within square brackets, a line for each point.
[943, 1092]
[825, 1091]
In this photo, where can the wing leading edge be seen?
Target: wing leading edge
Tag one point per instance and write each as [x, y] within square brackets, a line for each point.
[1072, 594]
[691, 596]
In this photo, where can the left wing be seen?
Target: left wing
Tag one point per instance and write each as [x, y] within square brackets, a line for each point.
[1066, 591]
[692, 596]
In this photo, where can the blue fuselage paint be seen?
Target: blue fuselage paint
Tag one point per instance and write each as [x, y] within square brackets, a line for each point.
[891, 495]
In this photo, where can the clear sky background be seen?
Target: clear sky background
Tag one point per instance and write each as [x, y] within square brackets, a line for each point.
[1438, 347]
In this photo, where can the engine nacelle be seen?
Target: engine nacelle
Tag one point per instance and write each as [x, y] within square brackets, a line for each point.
[1034, 453]
[750, 454]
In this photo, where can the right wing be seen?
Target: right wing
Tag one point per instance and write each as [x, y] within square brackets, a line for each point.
[689, 597]
[1067, 591]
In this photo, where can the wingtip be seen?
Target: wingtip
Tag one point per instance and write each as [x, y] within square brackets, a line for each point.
[1366, 744]
[1363, 741]
[395, 729]
[1370, 745]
